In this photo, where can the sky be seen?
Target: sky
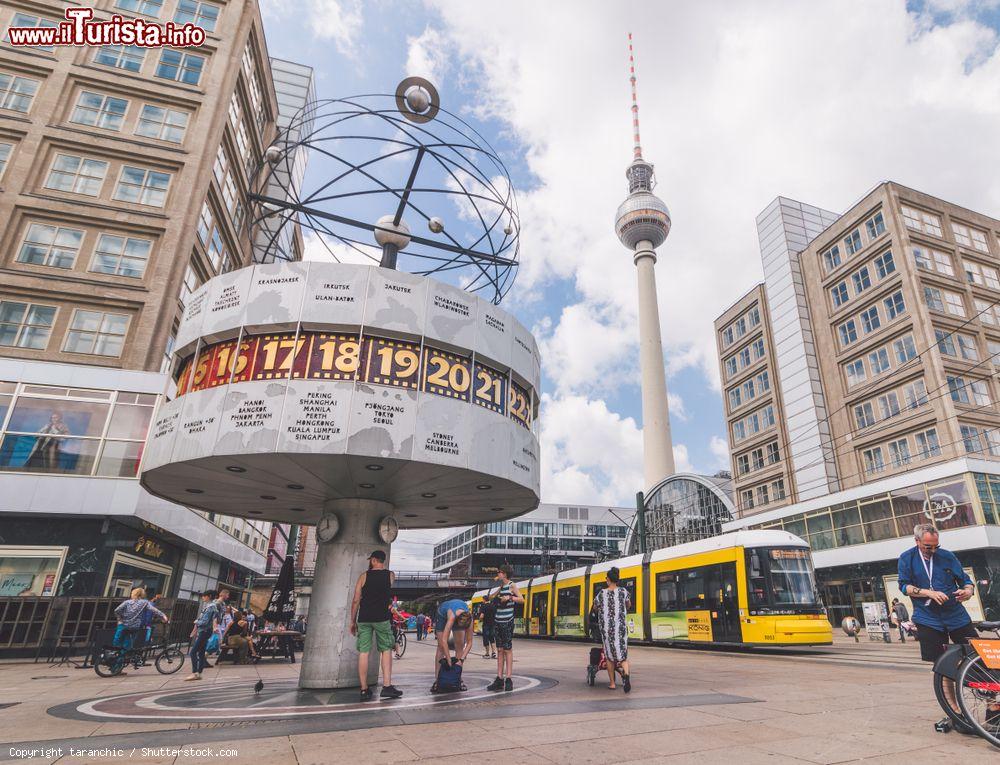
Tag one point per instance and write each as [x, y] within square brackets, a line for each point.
[739, 103]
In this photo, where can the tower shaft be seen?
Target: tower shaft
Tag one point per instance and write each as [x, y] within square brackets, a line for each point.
[657, 446]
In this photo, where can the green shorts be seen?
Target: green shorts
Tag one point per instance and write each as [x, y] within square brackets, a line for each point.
[383, 636]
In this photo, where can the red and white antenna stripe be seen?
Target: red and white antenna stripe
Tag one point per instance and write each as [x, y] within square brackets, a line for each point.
[637, 151]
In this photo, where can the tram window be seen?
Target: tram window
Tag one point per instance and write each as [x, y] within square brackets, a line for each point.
[597, 588]
[519, 610]
[792, 577]
[539, 604]
[692, 586]
[756, 578]
[666, 592]
[568, 602]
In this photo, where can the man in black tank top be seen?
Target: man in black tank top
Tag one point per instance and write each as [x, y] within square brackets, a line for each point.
[370, 619]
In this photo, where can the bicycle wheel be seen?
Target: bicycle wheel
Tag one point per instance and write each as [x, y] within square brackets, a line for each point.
[169, 660]
[979, 697]
[958, 720]
[110, 663]
[400, 644]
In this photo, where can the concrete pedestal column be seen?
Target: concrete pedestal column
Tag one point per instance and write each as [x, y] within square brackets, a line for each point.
[330, 659]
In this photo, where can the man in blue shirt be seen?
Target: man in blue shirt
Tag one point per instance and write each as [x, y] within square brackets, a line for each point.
[934, 579]
[204, 625]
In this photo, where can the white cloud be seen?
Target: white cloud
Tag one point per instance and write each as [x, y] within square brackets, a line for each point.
[737, 107]
[719, 448]
[682, 464]
[676, 405]
[427, 56]
[320, 247]
[337, 20]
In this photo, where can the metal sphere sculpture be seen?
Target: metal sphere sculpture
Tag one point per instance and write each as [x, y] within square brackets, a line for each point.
[404, 184]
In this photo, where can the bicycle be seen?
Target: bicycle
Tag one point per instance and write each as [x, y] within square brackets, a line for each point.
[399, 642]
[975, 689]
[167, 658]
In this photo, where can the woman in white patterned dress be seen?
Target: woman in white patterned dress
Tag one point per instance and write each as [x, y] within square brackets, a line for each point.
[612, 606]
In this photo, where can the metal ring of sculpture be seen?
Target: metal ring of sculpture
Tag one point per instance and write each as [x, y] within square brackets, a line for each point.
[392, 171]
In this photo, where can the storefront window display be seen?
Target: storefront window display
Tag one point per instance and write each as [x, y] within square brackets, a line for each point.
[30, 570]
[48, 429]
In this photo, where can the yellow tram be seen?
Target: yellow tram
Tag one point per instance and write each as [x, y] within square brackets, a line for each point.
[747, 588]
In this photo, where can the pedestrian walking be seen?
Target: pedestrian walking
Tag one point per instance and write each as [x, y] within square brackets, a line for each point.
[370, 621]
[487, 614]
[506, 598]
[204, 628]
[901, 615]
[612, 605]
[419, 624]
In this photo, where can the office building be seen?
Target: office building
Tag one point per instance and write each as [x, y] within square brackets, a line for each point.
[549, 538]
[124, 175]
[859, 390]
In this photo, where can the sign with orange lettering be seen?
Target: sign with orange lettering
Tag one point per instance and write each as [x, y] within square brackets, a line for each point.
[334, 356]
[391, 362]
[989, 651]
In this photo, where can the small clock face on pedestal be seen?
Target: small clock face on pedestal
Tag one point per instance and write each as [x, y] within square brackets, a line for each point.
[327, 528]
[388, 529]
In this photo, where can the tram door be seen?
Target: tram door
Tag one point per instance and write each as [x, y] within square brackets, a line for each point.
[722, 597]
[540, 613]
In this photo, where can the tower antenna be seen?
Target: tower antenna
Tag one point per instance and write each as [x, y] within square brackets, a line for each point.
[637, 150]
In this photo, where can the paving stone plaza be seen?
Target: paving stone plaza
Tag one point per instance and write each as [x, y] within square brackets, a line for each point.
[852, 702]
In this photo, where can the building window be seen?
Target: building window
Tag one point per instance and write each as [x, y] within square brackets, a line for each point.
[121, 256]
[234, 110]
[221, 167]
[852, 242]
[874, 462]
[162, 124]
[243, 142]
[217, 251]
[52, 246]
[839, 294]
[24, 20]
[875, 226]
[6, 149]
[99, 110]
[743, 463]
[77, 175]
[959, 390]
[96, 333]
[884, 264]
[979, 242]
[988, 313]
[180, 67]
[970, 237]
[888, 405]
[746, 499]
[904, 349]
[864, 415]
[778, 488]
[980, 393]
[932, 297]
[25, 325]
[201, 14]
[762, 494]
[127, 57]
[921, 221]
[927, 444]
[141, 186]
[731, 363]
[831, 258]
[757, 348]
[147, 7]
[954, 304]
[970, 439]
[206, 223]
[870, 320]
[945, 342]
[855, 372]
[190, 284]
[894, 305]
[764, 381]
[967, 345]
[848, 332]
[17, 93]
[862, 280]
[229, 193]
[984, 276]
[899, 452]
[734, 398]
[878, 361]
[753, 316]
[915, 394]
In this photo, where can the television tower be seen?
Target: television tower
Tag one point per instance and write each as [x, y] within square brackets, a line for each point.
[642, 224]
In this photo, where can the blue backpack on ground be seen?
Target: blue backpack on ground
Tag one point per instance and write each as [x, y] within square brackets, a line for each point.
[449, 679]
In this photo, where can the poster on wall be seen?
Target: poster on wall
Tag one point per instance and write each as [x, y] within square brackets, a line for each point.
[876, 617]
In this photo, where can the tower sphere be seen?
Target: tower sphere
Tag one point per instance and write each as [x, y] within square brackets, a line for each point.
[642, 217]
